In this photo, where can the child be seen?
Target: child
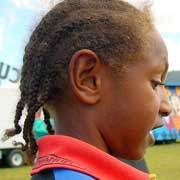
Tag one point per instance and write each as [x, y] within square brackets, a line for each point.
[98, 68]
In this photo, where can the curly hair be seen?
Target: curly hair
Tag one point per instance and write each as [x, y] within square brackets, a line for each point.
[115, 30]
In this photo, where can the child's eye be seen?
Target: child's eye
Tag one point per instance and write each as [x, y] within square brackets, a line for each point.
[155, 84]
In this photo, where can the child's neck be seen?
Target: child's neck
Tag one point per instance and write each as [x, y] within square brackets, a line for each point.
[79, 125]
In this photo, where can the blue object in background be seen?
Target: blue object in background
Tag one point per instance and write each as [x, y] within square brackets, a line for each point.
[164, 133]
[171, 128]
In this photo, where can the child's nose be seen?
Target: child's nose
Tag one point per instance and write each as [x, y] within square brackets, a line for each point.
[165, 107]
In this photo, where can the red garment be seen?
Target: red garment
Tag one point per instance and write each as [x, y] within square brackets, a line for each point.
[37, 115]
[66, 152]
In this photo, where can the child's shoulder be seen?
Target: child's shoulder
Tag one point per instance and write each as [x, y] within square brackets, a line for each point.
[63, 174]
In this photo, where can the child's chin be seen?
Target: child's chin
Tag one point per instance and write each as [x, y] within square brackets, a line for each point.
[136, 155]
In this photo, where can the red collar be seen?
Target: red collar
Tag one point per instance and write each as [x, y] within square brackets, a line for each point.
[66, 152]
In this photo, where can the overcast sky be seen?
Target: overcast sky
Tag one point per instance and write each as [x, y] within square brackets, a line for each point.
[19, 17]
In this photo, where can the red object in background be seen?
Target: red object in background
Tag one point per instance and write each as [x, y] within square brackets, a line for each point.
[169, 124]
[38, 115]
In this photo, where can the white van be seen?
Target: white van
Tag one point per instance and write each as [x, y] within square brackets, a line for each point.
[10, 150]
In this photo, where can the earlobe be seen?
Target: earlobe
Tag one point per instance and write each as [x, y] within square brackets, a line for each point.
[85, 76]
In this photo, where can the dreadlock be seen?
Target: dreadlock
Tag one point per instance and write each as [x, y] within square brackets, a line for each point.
[47, 121]
[111, 28]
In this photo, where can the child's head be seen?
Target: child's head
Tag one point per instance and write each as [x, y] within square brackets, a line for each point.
[97, 67]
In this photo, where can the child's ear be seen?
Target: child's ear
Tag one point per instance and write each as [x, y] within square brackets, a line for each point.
[85, 76]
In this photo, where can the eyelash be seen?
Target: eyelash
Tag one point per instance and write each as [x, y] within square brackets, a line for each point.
[155, 84]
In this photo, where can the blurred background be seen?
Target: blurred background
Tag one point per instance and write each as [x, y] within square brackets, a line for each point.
[18, 18]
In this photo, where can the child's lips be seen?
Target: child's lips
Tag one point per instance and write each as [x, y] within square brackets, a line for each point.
[151, 139]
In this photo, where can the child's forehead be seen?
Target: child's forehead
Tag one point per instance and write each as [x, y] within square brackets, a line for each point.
[156, 47]
[155, 52]
[158, 42]
[154, 59]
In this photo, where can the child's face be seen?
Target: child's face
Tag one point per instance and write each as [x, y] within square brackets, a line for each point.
[134, 105]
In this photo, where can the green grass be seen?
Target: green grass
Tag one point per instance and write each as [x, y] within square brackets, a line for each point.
[164, 161]
[21, 173]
